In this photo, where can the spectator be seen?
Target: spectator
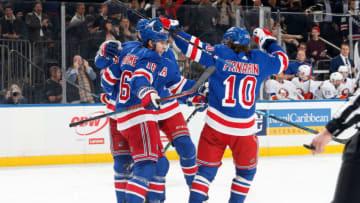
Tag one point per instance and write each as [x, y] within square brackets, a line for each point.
[38, 24]
[155, 10]
[126, 32]
[341, 6]
[115, 11]
[105, 33]
[11, 27]
[14, 95]
[82, 34]
[344, 26]
[296, 24]
[206, 20]
[186, 15]
[171, 7]
[137, 5]
[342, 59]
[79, 16]
[293, 67]
[82, 75]
[225, 13]
[286, 39]
[316, 48]
[103, 15]
[53, 88]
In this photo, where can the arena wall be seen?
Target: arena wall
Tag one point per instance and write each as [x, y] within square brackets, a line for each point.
[40, 134]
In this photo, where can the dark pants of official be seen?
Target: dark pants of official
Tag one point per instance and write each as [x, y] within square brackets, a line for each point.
[348, 185]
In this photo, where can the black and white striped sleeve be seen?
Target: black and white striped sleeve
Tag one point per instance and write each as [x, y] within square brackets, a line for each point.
[348, 115]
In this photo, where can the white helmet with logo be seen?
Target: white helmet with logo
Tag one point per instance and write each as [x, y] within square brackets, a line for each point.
[336, 76]
[304, 70]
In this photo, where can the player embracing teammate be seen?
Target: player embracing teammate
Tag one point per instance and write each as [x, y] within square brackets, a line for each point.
[233, 89]
[139, 73]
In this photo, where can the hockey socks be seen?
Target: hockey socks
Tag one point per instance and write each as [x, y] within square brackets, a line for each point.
[201, 183]
[156, 192]
[122, 168]
[241, 185]
[186, 150]
[137, 186]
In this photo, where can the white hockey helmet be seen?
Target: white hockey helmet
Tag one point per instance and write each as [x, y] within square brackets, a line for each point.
[336, 76]
[304, 70]
[343, 69]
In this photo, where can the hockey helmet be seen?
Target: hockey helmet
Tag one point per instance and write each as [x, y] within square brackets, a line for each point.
[343, 69]
[237, 35]
[336, 76]
[304, 70]
[149, 33]
[141, 24]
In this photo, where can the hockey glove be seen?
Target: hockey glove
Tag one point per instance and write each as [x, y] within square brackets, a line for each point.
[149, 98]
[110, 48]
[104, 98]
[168, 24]
[204, 90]
[263, 38]
[199, 102]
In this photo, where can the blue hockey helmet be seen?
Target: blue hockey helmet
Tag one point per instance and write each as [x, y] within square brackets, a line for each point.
[149, 33]
[238, 36]
[141, 24]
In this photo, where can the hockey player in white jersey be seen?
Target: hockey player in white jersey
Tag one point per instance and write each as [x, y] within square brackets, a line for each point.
[280, 89]
[305, 86]
[329, 88]
[348, 84]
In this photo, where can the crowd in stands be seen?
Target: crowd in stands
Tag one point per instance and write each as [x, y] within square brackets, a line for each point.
[300, 29]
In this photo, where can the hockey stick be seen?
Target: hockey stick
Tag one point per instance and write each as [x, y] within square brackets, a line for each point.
[342, 141]
[204, 76]
[187, 121]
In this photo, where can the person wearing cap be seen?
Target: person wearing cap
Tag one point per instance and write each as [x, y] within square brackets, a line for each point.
[316, 48]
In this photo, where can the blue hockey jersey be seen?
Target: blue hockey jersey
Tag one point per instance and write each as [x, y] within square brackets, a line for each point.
[235, 85]
[142, 67]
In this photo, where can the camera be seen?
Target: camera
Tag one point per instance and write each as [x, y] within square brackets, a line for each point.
[14, 94]
[316, 11]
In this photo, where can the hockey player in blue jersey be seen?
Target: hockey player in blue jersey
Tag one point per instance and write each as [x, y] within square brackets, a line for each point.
[233, 89]
[170, 118]
[168, 112]
[108, 54]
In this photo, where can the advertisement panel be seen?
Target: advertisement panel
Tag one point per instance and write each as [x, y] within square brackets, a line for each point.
[312, 118]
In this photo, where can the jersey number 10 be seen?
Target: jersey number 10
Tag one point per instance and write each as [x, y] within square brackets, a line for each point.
[246, 91]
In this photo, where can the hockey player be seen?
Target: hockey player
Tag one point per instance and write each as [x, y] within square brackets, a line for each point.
[150, 72]
[348, 84]
[109, 55]
[305, 86]
[348, 180]
[280, 89]
[172, 123]
[329, 88]
[233, 88]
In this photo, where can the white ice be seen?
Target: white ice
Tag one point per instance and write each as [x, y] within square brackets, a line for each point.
[287, 179]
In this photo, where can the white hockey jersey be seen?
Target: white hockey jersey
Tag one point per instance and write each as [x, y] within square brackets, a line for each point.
[326, 90]
[284, 90]
[346, 88]
[304, 87]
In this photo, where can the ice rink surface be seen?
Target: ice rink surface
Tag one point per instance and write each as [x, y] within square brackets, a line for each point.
[287, 179]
